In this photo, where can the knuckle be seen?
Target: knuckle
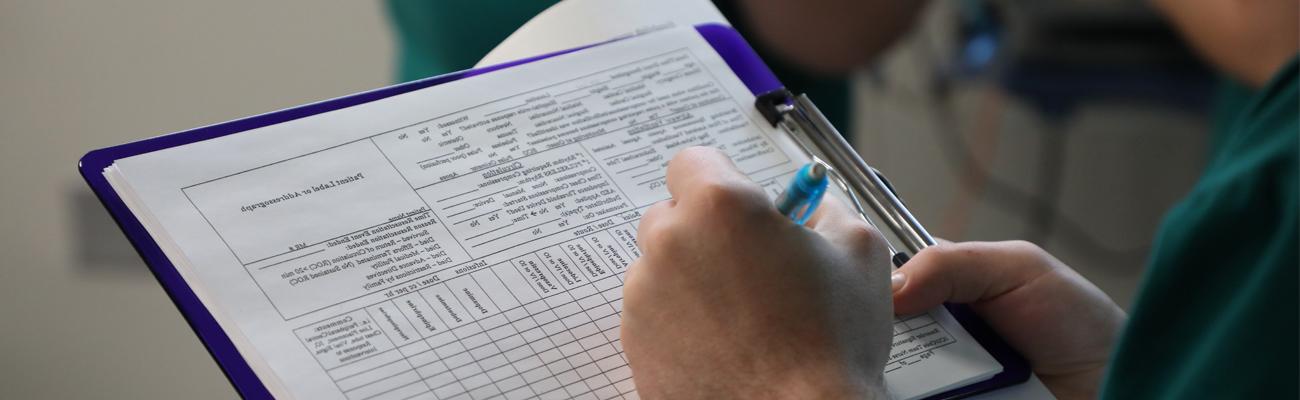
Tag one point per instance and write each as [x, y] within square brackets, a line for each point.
[864, 235]
[1030, 256]
[941, 258]
[698, 151]
[861, 231]
[719, 190]
[728, 197]
[653, 235]
[1023, 247]
[634, 297]
[632, 286]
[943, 253]
[654, 213]
[691, 155]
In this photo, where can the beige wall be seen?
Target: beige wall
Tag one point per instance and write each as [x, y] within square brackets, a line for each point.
[79, 315]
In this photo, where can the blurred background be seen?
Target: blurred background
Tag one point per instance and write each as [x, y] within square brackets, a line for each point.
[1073, 124]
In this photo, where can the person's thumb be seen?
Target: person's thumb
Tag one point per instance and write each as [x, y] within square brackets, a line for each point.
[968, 272]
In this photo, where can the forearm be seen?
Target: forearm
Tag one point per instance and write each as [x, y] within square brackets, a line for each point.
[830, 36]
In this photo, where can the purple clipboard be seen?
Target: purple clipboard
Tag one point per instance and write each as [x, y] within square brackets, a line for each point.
[726, 41]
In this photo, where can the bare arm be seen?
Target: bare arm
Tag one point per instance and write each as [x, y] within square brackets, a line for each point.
[830, 36]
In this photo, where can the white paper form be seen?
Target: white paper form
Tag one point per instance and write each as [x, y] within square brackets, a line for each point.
[468, 240]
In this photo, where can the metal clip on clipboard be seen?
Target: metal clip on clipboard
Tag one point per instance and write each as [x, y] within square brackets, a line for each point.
[811, 130]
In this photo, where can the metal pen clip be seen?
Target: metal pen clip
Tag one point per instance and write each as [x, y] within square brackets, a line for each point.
[810, 128]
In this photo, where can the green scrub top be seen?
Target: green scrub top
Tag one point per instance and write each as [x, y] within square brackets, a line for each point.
[437, 37]
[1217, 315]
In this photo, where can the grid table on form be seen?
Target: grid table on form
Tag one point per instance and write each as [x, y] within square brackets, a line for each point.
[543, 325]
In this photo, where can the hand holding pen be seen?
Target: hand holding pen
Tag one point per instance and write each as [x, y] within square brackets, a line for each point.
[724, 278]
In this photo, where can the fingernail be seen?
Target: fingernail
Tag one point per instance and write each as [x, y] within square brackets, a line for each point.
[896, 281]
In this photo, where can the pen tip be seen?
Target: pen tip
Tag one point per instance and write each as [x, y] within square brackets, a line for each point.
[817, 172]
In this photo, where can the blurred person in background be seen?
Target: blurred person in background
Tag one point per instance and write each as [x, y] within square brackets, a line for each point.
[1216, 316]
[440, 36]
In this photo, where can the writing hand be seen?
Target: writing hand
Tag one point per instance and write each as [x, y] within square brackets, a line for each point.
[732, 300]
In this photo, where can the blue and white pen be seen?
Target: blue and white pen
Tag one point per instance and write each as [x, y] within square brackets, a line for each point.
[805, 192]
